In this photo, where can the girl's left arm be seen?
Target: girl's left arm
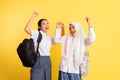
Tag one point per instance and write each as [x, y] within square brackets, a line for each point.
[91, 36]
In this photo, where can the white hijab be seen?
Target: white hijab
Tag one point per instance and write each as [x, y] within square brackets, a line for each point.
[74, 46]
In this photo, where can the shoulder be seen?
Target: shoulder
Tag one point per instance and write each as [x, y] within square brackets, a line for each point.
[34, 33]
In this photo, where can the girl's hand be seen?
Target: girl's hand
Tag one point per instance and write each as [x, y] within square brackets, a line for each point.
[88, 21]
[60, 25]
[35, 14]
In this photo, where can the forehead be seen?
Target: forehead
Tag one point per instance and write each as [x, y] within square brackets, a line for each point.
[44, 21]
[71, 26]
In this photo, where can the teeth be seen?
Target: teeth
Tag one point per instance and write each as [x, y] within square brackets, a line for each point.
[72, 32]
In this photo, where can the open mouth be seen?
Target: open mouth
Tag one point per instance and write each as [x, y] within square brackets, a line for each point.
[72, 32]
[47, 28]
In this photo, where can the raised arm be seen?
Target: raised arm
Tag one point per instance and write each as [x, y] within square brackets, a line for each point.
[58, 34]
[91, 36]
[27, 27]
[62, 29]
[88, 21]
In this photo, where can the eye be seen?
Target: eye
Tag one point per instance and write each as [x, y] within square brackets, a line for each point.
[43, 23]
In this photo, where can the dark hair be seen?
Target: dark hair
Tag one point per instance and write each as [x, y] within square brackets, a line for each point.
[39, 23]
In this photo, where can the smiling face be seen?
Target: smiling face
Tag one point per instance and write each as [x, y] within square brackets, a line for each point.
[44, 25]
[72, 30]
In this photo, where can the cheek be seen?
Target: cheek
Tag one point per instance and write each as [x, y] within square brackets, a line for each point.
[43, 27]
[75, 30]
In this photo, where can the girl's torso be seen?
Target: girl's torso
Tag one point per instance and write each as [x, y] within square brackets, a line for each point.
[44, 45]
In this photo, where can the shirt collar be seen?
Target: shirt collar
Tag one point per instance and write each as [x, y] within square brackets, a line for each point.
[43, 33]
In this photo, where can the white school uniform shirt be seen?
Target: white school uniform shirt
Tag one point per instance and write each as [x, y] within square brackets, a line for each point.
[68, 65]
[44, 45]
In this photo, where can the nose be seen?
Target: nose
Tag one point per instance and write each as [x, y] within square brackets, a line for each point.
[46, 24]
[71, 30]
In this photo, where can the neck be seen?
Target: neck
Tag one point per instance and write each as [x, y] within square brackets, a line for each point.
[44, 31]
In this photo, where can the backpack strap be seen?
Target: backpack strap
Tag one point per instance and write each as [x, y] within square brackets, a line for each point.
[38, 41]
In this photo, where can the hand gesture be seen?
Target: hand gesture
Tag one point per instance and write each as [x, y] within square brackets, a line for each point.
[35, 14]
[88, 21]
[60, 25]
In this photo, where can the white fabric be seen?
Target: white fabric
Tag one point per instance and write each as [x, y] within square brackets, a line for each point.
[45, 44]
[73, 48]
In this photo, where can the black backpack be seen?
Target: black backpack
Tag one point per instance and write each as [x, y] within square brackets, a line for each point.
[26, 51]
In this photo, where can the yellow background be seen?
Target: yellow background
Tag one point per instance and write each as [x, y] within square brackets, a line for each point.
[105, 17]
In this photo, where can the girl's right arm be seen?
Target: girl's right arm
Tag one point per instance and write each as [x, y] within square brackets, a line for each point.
[27, 27]
[58, 34]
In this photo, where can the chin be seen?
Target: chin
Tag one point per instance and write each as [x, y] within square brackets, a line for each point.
[46, 31]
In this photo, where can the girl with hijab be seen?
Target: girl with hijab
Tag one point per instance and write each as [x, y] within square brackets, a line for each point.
[73, 47]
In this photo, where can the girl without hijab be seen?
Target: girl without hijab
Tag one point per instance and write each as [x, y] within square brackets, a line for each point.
[73, 47]
[42, 68]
